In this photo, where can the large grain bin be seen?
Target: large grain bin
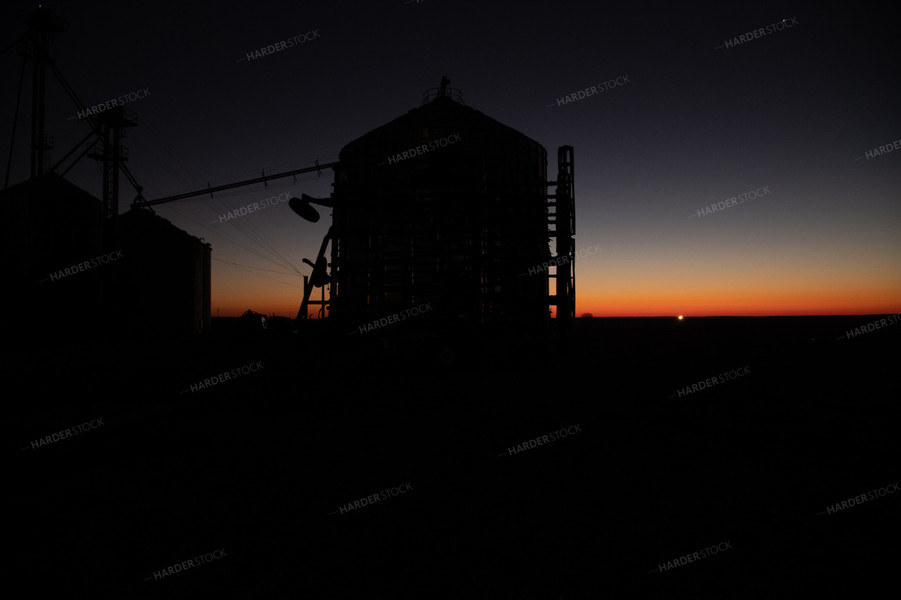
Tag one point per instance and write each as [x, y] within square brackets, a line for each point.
[446, 206]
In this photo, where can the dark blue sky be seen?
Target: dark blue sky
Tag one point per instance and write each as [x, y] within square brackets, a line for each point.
[792, 111]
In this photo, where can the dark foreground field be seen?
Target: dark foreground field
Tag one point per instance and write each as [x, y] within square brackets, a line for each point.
[259, 465]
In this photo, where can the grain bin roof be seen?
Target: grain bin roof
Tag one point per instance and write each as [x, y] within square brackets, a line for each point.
[443, 113]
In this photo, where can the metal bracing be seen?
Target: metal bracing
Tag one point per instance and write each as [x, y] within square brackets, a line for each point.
[562, 218]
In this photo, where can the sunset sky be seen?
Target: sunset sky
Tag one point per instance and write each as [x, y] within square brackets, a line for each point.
[794, 111]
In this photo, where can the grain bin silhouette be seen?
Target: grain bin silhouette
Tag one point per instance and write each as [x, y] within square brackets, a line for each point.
[447, 206]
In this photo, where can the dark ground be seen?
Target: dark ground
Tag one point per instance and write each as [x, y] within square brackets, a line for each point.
[256, 465]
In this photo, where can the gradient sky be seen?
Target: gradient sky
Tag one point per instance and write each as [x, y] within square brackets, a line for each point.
[794, 111]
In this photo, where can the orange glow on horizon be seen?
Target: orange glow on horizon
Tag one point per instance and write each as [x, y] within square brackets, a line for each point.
[607, 309]
[644, 301]
[821, 304]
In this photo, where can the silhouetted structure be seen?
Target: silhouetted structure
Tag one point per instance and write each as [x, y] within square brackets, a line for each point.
[449, 206]
[36, 47]
[166, 288]
[49, 225]
[107, 127]
[444, 206]
[155, 280]
[110, 127]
